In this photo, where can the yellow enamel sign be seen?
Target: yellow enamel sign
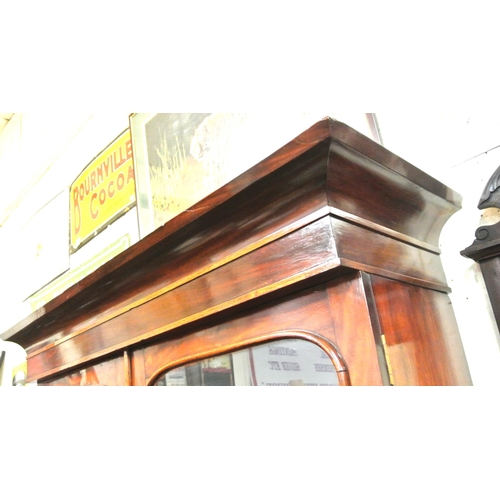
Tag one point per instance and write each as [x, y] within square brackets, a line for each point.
[103, 191]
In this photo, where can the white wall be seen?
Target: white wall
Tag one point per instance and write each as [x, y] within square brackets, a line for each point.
[40, 156]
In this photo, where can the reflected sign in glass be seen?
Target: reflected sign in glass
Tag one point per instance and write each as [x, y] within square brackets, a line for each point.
[288, 362]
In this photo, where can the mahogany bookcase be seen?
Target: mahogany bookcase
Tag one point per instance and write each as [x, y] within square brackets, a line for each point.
[332, 239]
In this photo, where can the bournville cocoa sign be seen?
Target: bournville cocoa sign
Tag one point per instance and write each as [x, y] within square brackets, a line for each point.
[103, 191]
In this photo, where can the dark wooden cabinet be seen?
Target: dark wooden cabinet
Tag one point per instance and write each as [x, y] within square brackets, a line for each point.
[485, 249]
[332, 239]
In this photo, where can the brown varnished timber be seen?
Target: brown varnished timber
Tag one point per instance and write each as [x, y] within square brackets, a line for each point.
[299, 255]
[423, 343]
[376, 330]
[370, 251]
[109, 373]
[303, 315]
[354, 333]
[375, 193]
[210, 351]
[138, 374]
[127, 368]
[349, 140]
[302, 254]
[321, 212]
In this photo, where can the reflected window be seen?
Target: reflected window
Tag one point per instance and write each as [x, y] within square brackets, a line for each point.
[283, 362]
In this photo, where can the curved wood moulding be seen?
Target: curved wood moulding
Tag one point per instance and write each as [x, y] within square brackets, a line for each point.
[212, 351]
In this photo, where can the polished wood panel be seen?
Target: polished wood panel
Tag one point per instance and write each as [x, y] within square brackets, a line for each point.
[303, 315]
[138, 374]
[127, 368]
[423, 342]
[380, 194]
[354, 332]
[109, 372]
[374, 252]
[299, 255]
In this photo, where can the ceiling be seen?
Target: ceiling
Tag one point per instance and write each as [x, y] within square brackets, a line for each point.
[4, 119]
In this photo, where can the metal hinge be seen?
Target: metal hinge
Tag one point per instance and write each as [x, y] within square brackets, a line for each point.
[387, 360]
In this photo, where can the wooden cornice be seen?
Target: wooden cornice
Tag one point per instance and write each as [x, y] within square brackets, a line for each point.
[329, 201]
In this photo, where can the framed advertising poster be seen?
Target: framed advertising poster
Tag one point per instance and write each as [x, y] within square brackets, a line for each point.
[104, 191]
[169, 177]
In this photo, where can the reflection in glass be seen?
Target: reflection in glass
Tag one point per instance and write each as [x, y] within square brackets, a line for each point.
[283, 362]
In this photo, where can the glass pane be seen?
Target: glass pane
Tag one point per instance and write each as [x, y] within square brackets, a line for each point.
[283, 362]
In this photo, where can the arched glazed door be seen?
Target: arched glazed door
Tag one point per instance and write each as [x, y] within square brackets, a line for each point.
[298, 358]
